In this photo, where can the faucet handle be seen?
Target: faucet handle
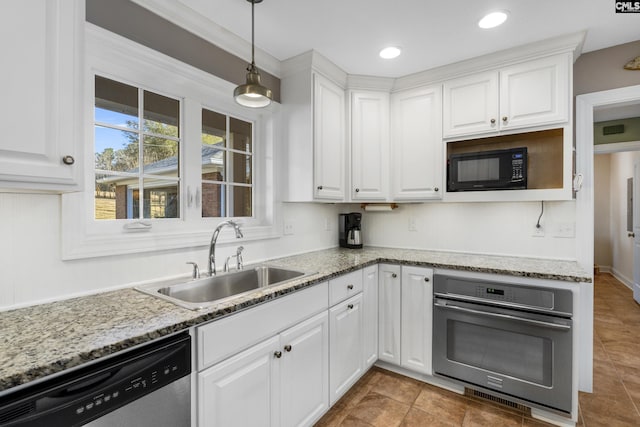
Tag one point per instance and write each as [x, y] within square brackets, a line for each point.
[196, 271]
[239, 264]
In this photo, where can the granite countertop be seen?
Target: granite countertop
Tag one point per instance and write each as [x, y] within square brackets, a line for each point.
[45, 339]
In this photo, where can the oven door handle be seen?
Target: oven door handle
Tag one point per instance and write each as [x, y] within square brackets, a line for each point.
[505, 316]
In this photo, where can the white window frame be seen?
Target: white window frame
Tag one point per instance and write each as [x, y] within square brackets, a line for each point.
[117, 58]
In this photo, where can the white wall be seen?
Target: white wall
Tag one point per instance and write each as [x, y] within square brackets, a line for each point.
[602, 246]
[491, 228]
[621, 244]
[31, 269]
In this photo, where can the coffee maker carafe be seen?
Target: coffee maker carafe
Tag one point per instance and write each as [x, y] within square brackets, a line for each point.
[349, 230]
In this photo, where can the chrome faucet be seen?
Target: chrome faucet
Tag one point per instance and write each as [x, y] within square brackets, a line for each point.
[214, 238]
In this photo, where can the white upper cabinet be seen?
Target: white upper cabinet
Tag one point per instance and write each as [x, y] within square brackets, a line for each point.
[417, 148]
[328, 138]
[369, 145]
[314, 131]
[40, 83]
[535, 93]
[529, 94]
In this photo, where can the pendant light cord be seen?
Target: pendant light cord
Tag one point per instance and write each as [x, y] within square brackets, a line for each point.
[253, 53]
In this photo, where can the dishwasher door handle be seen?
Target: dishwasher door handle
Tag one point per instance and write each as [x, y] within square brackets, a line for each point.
[504, 316]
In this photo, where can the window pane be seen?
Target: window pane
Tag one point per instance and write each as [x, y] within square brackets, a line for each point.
[112, 196]
[160, 156]
[213, 163]
[116, 103]
[115, 149]
[214, 128]
[213, 199]
[241, 201]
[241, 164]
[240, 134]
[161, 199]
[161, 114]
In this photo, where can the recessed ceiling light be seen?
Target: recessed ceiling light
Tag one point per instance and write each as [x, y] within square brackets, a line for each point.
[390, 52]
[493, 19]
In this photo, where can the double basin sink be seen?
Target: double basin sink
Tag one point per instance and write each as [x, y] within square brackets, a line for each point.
[203, 292]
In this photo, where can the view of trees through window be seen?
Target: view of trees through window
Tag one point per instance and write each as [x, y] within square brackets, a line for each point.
[137, 146]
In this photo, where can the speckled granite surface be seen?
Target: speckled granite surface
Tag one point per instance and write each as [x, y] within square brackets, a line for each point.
[49, 338]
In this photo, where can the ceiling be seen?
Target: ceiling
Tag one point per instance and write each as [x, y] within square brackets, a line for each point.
[431, 33]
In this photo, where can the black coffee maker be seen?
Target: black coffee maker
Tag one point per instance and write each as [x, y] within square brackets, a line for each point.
[349, 230]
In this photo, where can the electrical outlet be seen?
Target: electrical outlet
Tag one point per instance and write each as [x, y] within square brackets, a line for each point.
[537, 231]
[412, 224]
[288, 228]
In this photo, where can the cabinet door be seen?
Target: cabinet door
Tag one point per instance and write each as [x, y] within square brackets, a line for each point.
[369, 145]
[40, 41]
[389, 313]
[417, 144]
[535, 93]
[471, 105]
[417, 312]
[304, 372]
[242, 390]
[370, 314]
[345, 346]
[328, 139]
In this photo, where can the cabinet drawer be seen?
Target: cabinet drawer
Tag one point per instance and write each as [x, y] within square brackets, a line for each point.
[228, 336]
[344, 287]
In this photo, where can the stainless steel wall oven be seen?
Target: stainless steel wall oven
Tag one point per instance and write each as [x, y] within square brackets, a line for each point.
[511, 340]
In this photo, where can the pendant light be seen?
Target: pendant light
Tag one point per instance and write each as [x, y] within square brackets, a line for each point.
[252, 93]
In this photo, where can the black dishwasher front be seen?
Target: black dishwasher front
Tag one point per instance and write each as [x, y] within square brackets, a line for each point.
[128, 389]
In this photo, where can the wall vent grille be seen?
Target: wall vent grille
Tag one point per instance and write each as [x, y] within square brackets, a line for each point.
[499, 400]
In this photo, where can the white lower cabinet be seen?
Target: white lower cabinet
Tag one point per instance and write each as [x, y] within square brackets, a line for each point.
[345, 346]
[279, 382]
[389, 313]
[370, 315]
[417, 316]
[406, 311]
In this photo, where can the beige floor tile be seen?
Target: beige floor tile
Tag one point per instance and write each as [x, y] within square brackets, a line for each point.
[397, 387]
[418, 418]
[442, 404]
[380, 411]
[487, 416]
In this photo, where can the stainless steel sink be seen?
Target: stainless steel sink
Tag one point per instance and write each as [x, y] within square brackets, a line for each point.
[203, 292]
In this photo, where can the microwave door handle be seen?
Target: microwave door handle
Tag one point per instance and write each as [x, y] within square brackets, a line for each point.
[505, 317]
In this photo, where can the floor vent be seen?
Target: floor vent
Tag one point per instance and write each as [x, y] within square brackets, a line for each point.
[498, 400]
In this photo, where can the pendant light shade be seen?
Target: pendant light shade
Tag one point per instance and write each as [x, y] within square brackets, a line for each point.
[252, 93]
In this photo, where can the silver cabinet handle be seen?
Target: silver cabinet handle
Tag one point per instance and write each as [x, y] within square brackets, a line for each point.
[505, 317]
[68, 160]
[277, 354]
[493, 121]
[426, 279]
[631, 234]
[287, 348]
[394, 275]
[349, 287]
[357, 190]
[319, 187]
[505, 119]
[350, 306]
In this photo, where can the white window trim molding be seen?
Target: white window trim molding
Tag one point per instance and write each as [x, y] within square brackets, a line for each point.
[116, 57]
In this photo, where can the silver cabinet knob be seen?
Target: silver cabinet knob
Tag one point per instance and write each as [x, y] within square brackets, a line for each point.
[349, 287]
[350, 306]
[493, 121]
[319, 187]
[505, 118]
[68, 160]
[631, 234]
[357, 190]
[287, 348]
[436, 189]
[278, 354]
[426, 279]
[394, 275]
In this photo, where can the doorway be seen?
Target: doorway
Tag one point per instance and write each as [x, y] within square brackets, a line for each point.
[585, 106]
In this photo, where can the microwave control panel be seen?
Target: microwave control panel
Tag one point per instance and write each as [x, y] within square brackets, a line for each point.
[517, 166]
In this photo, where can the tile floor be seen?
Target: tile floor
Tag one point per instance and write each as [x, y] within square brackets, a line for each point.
[385, 399]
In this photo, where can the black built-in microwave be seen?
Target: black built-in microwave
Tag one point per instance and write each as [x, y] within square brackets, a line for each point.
[488, 170]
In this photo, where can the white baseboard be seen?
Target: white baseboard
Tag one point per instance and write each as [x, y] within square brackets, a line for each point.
[621, 277]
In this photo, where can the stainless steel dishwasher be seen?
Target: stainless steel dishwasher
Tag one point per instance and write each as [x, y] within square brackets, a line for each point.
[147, 386]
